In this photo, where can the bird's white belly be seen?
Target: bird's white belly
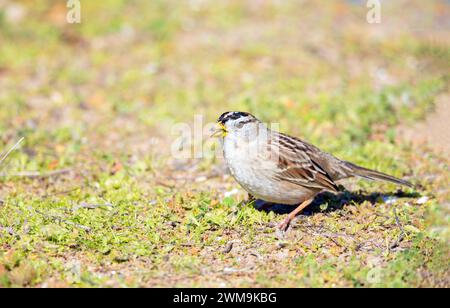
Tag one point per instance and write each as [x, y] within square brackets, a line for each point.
[257, 176]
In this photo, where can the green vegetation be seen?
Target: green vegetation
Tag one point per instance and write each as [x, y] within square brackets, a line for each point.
[93, 196]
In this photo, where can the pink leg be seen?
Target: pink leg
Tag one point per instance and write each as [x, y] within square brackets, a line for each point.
[285, 224]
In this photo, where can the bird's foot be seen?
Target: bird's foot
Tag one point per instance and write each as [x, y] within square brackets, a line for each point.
[284, 225]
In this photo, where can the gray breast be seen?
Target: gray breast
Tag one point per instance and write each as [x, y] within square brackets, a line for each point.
[256, 175]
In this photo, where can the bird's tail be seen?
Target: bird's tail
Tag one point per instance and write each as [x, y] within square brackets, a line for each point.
[375, 175]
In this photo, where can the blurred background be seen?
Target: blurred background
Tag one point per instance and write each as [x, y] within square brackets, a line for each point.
[100, 96]
[130, 69]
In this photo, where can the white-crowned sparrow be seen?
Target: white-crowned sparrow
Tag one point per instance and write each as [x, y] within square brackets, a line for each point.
[278, 168]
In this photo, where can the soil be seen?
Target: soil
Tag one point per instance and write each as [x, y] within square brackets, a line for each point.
[434, 131]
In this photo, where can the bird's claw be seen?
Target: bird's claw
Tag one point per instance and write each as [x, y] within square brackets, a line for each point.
[284, 226]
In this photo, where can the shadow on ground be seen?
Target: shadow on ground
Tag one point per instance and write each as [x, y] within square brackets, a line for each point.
[329, 202]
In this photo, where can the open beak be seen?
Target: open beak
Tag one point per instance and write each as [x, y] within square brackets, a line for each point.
[220, 131]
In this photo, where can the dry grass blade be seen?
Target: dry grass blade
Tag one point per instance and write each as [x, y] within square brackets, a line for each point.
[68, 222]
[36, 174]
[15, 146]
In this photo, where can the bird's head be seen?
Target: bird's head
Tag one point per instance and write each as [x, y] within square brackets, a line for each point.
[236, 123]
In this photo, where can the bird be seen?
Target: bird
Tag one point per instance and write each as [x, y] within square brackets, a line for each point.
[282, 169]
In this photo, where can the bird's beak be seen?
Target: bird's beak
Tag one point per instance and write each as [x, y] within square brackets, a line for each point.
[220, 131]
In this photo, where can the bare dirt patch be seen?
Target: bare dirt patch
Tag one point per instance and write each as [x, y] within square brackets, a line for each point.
[434, 131]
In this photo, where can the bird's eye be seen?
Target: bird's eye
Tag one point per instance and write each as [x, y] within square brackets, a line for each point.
[239, 124]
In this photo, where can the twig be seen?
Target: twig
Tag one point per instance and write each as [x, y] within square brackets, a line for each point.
[165, 184]
[90, 206]
[63, 192]
[36, 174]
[330, 233]
[330, 236]
[15, 146]
[59, 219]
[402, 231]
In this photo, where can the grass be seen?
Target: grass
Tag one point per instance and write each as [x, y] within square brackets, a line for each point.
[98, 101]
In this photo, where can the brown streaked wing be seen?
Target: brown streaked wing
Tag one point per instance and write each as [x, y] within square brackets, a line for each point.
[297, 165]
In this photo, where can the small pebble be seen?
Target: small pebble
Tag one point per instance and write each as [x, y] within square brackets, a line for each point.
[281, 244]
[228, 248]
[201, 179]
[422, 200]
[229, 270]
[389, 199]
[231, 192]
[172, 224]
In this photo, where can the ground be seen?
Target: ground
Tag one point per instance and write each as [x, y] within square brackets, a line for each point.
[95, 195]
